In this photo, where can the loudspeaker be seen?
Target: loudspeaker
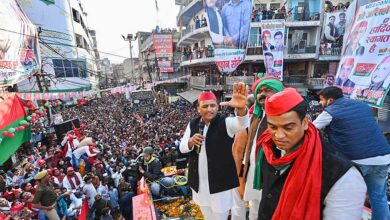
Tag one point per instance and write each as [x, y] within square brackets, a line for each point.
[66, 126]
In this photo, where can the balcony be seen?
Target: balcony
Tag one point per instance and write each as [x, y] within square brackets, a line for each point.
[295, 80]
[315, 83]
[213, 82]
[248, 80]
[307, 52]
[330, 54]
[292, 20]
[187, 13]
[192, 35]
[198, 57]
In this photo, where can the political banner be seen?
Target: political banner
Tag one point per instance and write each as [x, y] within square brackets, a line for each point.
[333, 29]
[19, 50]
[363, 72]
[229, 26]
[273, 47]
[163, 46]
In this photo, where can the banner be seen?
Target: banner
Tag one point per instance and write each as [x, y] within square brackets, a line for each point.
[363, 72]
[273, 47]
[163, 46]
[19, 50]
[229, 26]
[333, 29]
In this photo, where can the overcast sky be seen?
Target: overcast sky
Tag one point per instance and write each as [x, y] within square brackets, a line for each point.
[111, 18]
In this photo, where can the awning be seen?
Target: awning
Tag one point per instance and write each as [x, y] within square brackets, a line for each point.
[190, 95]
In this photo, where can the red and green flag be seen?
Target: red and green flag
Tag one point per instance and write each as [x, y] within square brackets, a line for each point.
[14, 127]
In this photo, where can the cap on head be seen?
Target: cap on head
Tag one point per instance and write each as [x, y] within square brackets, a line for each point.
[258, 81]
[207, 96]
[40, 175]
[41, 162]
[282, 102]
[147, 151]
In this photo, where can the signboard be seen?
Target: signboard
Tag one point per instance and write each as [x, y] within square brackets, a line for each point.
[363, 73]
[334, 29]
[163, 46]
[19, 50]
[273, 47]
[143, 207]
[143, 101]
[229, 26]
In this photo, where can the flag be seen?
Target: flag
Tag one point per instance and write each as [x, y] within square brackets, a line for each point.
[139, 118]
[156, 5]
[84, 210]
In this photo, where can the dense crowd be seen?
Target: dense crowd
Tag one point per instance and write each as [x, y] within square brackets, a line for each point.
[116, 137]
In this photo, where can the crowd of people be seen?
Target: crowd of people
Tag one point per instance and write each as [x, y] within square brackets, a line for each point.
[97, 163]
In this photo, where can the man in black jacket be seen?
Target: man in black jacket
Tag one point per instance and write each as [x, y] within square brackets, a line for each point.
[208, 141]
[151, 170]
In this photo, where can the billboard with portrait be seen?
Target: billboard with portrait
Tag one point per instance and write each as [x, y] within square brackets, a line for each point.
[364, 69]
[229, 25]
[333, 29]
[19, 50]
[163, 46]
[273, 47]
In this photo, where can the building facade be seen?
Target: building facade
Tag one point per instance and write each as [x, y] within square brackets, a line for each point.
[68, 51]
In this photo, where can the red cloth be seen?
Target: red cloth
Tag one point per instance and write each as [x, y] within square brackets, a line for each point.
[84, 210]
[91, 159]
[282, 102]
[301, 194]
[71, 181]
[206, 96]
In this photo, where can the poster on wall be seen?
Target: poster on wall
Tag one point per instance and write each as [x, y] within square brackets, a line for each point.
[273, 47]
[19, 49]
[333, 32]
[363, 72]
[229, 26]
[163, 46]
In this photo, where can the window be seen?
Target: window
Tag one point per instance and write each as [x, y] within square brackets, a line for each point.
[69, 68]
[79, 41]
[274, 6]
[76, 15]
[254, 37]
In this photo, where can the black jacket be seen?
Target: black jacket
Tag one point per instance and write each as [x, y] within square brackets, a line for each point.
[152, 170]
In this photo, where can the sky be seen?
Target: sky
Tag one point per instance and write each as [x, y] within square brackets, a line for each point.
[112, 18]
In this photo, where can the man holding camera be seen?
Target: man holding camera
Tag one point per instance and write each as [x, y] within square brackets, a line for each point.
[151, 170]
[208, 140]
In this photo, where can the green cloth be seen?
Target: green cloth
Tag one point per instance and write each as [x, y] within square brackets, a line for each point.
[258, 175]
[273, 84]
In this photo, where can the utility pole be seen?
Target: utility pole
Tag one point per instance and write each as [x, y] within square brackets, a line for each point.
[129, 38]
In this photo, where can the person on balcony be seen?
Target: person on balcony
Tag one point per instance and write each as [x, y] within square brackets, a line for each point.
[236, 17]
[215, 21]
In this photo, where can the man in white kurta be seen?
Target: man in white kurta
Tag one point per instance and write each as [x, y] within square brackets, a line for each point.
[215, 206]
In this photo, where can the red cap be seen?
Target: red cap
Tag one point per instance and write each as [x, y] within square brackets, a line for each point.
[69, 169]
[260, 80]
[92, 145]
[18, 207]
[41, 162]
[349, 61]
[206, 96]
[282, 102]
[8, 194]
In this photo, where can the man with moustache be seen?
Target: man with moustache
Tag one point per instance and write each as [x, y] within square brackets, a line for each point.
[262, 88]
[299, 177]
[207, 140]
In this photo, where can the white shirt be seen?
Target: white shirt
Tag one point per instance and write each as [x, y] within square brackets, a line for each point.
[345, 200]
[251, 193]
[83, 150]
[90, 191]
[68, 186]
[324, 120]
[222, 201]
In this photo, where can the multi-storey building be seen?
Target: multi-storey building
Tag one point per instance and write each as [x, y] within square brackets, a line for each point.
[67, 48]
[107, 72]
[304, 67]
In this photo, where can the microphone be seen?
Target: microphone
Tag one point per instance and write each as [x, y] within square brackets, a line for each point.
[201, 129]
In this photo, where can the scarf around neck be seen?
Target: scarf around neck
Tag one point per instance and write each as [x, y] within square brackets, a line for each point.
[304, 181]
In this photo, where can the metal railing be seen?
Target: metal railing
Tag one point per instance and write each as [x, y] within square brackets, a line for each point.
[307, 49]
[199, 54]
[248, 80]
[273, 14]
[295, 80]
[254, 51]
[333, 51]
[315, 82]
